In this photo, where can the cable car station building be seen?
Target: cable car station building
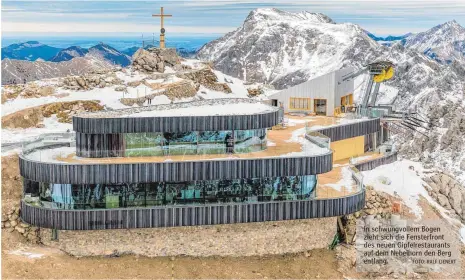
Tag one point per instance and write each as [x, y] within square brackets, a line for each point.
[197, 163]
[322, 96]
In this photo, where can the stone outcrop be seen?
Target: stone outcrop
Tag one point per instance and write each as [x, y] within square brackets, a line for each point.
[146, 61]
[378, 204]
[12, 222]
[449, 193]
[33, 117]
[182, 90]
[89, 81]
[179, 90]
[168, 55]
[66, 110]
[29, 90]
[26, 118]
[255, 91]
[206, 78]
[155, 60]
[34, 91]
[23, 71]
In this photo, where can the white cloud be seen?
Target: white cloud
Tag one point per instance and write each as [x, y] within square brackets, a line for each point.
[92, 27]
[378, 16]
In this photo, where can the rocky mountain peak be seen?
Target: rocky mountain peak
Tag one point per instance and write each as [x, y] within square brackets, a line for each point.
[452, 23]
[31, 44]
[106, 52]
[69, 53]
[273, 14]
[284, 48]
[451, 28]
[444, 42]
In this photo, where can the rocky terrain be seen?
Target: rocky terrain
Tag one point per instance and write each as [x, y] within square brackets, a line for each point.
[88, 81]
[207, 78]
[22, 71]
[284, 49]
[449, 193]
[155, 60]
[69, 53]
[33, 117]
[26, 91]
[12, 222]
[70, 61]
[444, 43]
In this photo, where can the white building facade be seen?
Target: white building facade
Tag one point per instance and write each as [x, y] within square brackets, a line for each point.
[321, 95]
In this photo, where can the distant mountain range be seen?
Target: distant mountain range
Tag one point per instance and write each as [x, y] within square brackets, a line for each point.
[388, 40]
[32, 60]
[31, 50]
[34, 50]
[69, 53]
[445, 43]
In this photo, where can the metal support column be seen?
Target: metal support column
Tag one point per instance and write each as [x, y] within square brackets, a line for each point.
[373, 139]
[381, 131]
[374, 95]
[54, 234]
[368, 90]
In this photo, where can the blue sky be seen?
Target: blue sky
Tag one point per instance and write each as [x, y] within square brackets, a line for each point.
[68, 17]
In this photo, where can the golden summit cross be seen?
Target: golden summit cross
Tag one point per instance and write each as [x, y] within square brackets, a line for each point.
[162, 29]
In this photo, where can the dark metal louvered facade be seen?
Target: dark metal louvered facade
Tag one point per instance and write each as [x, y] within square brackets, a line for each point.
[176, 124]
[62, 173]
[350, 130]
[105, 133]
[192, 215]
[372, 164]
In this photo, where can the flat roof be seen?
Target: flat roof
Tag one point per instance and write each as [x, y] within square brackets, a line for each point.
[211, 107]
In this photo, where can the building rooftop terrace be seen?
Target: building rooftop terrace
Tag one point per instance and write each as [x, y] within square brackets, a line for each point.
[281, 142]
[211, 107]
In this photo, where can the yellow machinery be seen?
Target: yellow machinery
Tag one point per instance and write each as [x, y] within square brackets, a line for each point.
[379, 72]
[384, 76]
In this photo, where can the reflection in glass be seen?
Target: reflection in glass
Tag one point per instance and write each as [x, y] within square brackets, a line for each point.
[67, 196]
[163, 143]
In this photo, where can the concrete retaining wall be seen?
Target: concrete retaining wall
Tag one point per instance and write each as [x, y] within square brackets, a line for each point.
[219, 240]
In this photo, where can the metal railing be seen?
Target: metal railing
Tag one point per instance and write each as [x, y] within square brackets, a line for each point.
[368, 113]
[357, 176]
[318, 139]
[48, 140]
[38, 150]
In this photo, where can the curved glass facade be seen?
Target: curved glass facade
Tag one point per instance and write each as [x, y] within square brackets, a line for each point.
[163, 143]
[98, 196]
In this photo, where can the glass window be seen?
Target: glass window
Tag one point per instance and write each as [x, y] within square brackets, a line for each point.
[213, 142]
[155, 193]
[181, 143]
[144, 144]
[95, 196]
[159, 144]
[298, 103]
[31, 188]
[247, 141]
[135, 195]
